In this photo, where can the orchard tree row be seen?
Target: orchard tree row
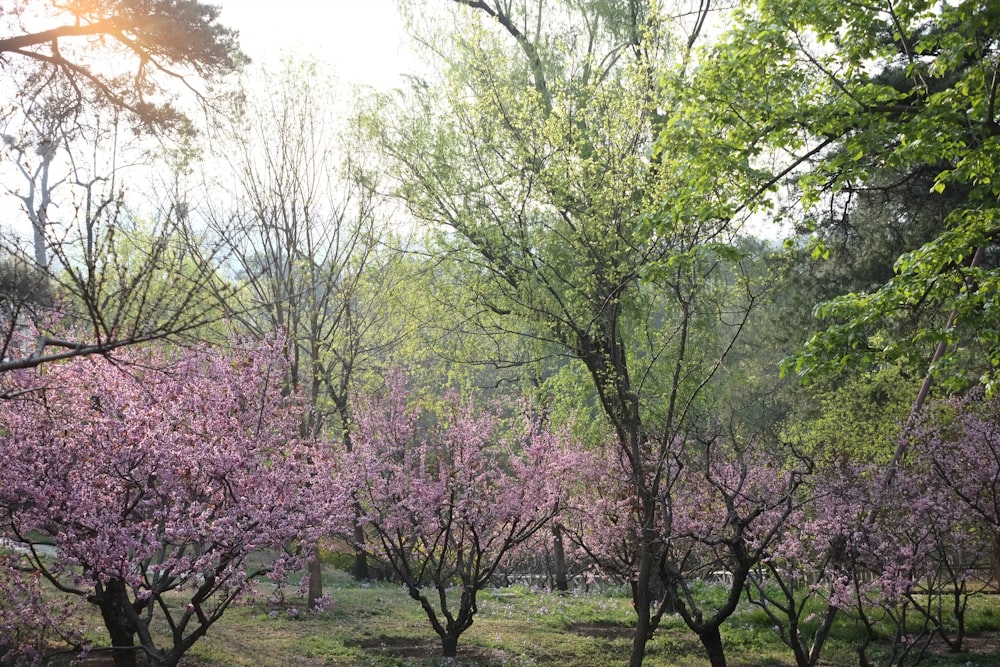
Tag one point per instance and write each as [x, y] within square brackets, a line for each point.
[622, 217]
[164, 485]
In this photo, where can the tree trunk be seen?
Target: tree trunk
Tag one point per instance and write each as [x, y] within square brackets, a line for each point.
[113, 602]
[559, 558]
[449, 645]
[361, 572]
[995, 562]
[315, 580]
[711, 639]
[641, 600]
[642, 631]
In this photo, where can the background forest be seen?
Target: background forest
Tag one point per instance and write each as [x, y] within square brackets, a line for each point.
[614, 293]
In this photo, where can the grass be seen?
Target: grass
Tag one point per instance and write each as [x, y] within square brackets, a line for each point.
[379, 625]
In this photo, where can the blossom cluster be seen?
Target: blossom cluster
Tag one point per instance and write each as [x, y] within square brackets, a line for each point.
[159, 471]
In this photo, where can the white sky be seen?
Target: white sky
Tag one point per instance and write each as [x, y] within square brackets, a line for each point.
[364, 40]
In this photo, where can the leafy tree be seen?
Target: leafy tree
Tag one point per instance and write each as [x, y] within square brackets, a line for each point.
[154, 476]
[445, 500]
[866, 99]
[856, 419]
[532, 159]
[865, 105]
[859, 239]
[126, 54]
[25, 292]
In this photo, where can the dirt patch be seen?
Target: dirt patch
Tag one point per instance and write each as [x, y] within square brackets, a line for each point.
[409, 647]
[603, 630]
[986, 643]
[403, 647]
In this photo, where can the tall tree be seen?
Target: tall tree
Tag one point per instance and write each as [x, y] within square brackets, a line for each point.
[869, 104]
[306, 242]
[531, 156]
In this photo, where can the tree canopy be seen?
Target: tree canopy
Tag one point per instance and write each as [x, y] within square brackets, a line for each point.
[854, 100]
[122, 53]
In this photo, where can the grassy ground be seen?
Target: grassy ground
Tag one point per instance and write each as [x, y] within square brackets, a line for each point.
[379, 625]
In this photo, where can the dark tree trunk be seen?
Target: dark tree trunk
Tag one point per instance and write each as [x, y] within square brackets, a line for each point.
[361, 572]
[315, 580]
[360, 569]
[641, 593]
[449, 645]
[450, 630]
[995, 558]
[643, 627]
[711, 639]
[113, 601]
[559, 558]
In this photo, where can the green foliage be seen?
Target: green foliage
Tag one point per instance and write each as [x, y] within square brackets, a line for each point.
[537, 180]
[532, 158]
[857, 419]
[845, 98]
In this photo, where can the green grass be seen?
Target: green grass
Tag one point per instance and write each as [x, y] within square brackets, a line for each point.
[380, 626]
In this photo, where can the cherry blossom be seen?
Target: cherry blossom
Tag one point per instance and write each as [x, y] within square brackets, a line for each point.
[443, 498]
[155, 476]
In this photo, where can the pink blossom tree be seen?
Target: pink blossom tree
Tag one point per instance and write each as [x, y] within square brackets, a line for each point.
[154, 477]
[726, 513]
[806, 562]
[444, 498]
[960, 442]
[600, 519]
[894, 557]
[723, 508]
[28, 622]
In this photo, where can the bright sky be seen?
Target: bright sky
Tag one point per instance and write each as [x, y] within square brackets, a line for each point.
[363, 39]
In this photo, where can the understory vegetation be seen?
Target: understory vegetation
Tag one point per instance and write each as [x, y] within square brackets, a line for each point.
[378, 625]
